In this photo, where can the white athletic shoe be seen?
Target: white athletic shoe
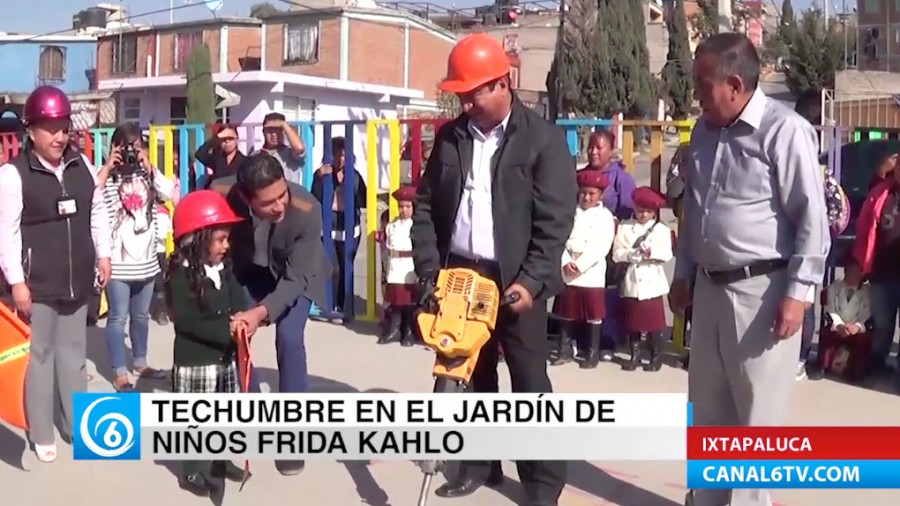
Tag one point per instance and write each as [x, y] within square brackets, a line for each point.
[801, 371]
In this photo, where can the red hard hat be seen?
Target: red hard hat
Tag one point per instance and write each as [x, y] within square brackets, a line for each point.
[46, 102]
[476, 60]
[199, 210]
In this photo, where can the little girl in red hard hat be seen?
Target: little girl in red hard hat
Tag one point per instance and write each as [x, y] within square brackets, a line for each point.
[201, 295]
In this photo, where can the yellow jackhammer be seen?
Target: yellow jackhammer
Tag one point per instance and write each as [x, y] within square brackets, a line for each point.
[462, 315]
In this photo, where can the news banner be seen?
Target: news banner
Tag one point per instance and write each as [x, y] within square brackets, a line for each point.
[447, 427]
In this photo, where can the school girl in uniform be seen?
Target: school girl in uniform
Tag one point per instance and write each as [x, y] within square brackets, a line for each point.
[581, 305]
[845, 343]
[644, 244]
[401, 276]
[202, 295]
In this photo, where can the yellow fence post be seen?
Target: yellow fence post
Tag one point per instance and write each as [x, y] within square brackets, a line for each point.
[372, 157]
[679, 324]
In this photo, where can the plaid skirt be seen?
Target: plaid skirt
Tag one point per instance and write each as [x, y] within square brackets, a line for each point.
[206, 379]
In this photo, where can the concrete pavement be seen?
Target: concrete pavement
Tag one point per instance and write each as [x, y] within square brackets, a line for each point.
[347, 359]
[341, 359]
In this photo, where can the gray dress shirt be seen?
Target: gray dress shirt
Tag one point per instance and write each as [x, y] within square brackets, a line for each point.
[754, 191]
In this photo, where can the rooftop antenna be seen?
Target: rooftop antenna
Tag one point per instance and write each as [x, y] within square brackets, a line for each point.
[215, 5]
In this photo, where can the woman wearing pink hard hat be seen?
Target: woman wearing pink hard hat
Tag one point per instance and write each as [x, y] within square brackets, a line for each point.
[54, 232]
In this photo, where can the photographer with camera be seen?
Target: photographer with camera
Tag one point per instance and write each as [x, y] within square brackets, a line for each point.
[131, 188]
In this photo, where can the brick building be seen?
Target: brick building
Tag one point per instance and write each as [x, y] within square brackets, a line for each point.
[321, 64]
[328, 64]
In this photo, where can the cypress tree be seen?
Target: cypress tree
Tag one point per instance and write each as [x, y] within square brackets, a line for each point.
[679, 62]
[626, 77]
[201, 94]
[570, 83]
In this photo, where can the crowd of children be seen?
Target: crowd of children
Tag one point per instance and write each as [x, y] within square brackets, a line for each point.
[632, 254]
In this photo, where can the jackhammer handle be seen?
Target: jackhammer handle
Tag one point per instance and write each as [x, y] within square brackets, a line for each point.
[510, 299]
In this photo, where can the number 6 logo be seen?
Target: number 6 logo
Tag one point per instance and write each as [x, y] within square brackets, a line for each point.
[115, 442]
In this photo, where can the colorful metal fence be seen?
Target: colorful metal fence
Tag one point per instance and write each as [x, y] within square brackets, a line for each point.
[175, 144]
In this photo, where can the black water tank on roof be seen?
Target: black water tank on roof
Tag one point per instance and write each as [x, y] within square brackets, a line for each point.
[93, 17]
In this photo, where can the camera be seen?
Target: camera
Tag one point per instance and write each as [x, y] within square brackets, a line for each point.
[131, 164]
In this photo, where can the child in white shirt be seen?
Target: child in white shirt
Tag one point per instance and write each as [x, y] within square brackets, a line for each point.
[845, 343]
[581, 304]
[644, 244]
[399, 294]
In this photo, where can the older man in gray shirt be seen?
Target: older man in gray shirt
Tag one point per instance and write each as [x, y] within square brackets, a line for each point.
[753, 247]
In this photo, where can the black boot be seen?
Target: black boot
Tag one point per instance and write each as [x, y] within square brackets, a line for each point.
[634, 346]
[566, 350]
[655, 343]
[158, 309]
[406, 328]
[392, 329]
[592, 357]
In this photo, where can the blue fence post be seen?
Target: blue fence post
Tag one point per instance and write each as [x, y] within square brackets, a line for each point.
[184, 158]
[327, 217]
[571, 127]
[349, 198]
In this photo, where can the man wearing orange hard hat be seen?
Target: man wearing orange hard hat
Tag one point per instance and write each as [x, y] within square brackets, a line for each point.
[498, 196]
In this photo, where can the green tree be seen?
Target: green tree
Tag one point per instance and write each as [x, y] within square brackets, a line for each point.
[705, 20]
[201, 94]
[776, 48]
[679, 62]
[624, 75]
[814, 54]
[571, 83]
[262, 10]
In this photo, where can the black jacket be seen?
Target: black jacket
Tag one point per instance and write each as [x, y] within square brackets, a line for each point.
[202, 333]
[210, 154]
[296, 257]
[534, 197]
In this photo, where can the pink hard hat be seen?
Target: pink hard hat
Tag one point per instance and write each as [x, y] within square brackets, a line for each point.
[46, 102]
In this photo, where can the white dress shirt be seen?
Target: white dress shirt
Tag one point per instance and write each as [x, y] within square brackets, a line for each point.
[473, 231]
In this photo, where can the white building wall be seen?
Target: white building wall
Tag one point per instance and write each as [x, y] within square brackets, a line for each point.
[259, 99]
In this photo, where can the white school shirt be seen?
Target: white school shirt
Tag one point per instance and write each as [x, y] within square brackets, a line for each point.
[473, 230]
[644, 278]
[588, 245]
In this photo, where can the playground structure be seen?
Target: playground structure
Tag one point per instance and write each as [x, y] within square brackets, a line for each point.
[384, 174]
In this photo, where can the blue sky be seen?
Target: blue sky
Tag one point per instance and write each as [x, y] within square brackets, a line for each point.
[24, 16]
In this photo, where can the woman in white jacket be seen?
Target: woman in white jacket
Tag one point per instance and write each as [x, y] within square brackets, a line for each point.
[582, 303]
[644, 244]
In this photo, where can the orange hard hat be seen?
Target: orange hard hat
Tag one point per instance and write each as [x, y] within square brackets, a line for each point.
[474, 61]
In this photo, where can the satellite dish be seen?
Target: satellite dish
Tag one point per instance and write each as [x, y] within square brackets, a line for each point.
[214, 5]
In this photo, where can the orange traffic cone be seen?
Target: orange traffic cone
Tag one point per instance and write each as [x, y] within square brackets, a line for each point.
[14, 349]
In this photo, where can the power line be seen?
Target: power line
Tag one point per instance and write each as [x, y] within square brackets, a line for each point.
[127, 18]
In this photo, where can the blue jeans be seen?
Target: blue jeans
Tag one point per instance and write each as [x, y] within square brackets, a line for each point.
[128, 300]
[808, 330]
[885, 304]
[290, 347]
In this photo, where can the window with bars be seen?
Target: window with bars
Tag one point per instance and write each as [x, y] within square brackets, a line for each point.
[52, 65]
[301, 43]
[184, 44]
[124, 55]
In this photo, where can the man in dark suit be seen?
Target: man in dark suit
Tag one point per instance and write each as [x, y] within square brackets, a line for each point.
[498, 196]
[278, 257]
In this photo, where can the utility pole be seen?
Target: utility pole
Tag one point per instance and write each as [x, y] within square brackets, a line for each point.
[724, 11]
